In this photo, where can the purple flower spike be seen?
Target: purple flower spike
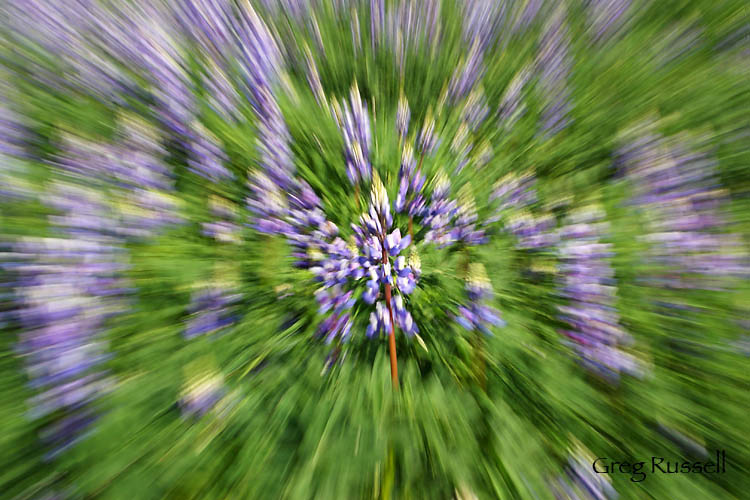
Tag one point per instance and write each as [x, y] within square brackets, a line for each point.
[688, 215]
[554, 65]
[428, 140]
[68, 287]
[402, 117]
[354, 122]
[403, 190]
[587, 283]
[477, 314]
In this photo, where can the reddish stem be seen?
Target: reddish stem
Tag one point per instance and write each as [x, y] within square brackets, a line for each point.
[392, 339]
[392, 335]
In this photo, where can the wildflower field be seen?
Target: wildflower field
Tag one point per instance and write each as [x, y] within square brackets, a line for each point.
[418, 249]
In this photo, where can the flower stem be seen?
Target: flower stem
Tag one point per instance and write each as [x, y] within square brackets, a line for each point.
[356, 196]
[392, 339]
[392, 335]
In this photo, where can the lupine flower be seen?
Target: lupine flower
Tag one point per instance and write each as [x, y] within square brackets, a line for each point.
[532, 232]
[606, 17]
[482, 21]
[224, 230]
[136, 163]
[475, 109]
[516, 193]
[260, 61]
[394, 243]
[483, 155]
[512, 106]
[439, 212]
[461, 147]
[337, 265]
[134, 168]
[143, 36]
[468, 73]
[261, 70]
[377, 21]
[411, 182]
[465, 226]
[310, 233]
[313, 79]
[211, 311]
[513, 191]
[206, 156]
[403, 317]
[202, 393]
[354, 26]
[407, 275]
[268, 203]
[428, 140]
[339, 323]
[525, 15]
[553, 63]
[297, 10]
[273, 146]
[380, 321]
[679, 192]
[221, 94]
[411, 24]
[58, 28]
[141, 156]
[208, 23]
[119, 93]
[587, 282]
[402, 117]
[384, 265]
[476, 314]
[354, 123]
[408, 162]
[73, 33]
[69, 286]
[12, 130]
[451, 221]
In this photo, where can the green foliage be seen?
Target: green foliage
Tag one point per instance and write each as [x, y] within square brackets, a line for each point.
[496, 415]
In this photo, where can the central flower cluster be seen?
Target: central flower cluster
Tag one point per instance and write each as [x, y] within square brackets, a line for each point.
[386, 267]
[372, 254]
[373, 266]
